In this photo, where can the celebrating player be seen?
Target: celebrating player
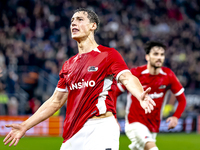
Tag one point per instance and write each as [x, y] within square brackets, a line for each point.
[85, 82]
[142, 128]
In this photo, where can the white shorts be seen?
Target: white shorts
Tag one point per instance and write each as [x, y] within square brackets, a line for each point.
[139, 134]
[96, 134]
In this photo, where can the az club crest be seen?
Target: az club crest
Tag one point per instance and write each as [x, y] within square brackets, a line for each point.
[92, 68]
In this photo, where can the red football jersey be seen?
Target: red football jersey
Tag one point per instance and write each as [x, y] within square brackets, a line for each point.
[116, 90]
[159, 84]
[88, 79]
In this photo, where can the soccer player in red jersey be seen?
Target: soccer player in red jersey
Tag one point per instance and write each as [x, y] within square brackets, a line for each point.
[142, 128]
[85, 82]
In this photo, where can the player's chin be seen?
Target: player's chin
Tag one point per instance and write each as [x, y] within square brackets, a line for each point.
[158, 66]
[75, 37]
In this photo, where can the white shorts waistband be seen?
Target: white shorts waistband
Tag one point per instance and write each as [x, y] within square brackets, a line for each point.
[98, 120]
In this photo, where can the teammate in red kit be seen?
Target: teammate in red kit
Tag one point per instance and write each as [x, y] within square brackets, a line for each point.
[85, 82]
[142, 128]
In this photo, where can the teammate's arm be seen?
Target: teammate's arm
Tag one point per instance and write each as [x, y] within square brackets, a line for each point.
[134, 86]
[178, 91]
[173, 120]
[55, 102]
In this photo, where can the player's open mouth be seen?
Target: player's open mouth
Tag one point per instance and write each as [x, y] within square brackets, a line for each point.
[74, 30]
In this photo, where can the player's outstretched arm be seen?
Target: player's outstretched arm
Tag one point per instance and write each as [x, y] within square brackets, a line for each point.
[134, 86]
[55, 102]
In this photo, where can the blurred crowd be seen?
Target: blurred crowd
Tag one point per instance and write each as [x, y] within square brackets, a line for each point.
[35, 37]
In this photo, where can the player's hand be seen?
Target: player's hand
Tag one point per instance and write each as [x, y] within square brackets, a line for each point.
[15, 134]
[173, 121]
[146, 102]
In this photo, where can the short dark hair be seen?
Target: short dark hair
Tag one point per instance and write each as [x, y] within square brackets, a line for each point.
[150, 44]
[92, 16]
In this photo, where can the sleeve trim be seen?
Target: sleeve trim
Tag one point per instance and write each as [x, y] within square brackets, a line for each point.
[179, 92]
[62, 90]
[121, 72]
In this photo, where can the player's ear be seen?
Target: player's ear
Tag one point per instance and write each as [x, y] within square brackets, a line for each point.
[94, 26]
[147, 57]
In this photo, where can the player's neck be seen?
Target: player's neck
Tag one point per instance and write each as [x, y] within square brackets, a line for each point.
[87, 45]
[153, 70]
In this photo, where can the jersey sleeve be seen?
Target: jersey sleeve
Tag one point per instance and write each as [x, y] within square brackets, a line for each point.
[62, 85]
[117, 64]
[176, 86]
[178, 91]
[181, 105]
